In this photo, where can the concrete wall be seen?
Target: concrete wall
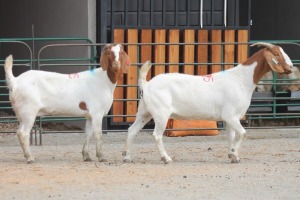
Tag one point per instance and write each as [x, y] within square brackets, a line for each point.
[50, 18]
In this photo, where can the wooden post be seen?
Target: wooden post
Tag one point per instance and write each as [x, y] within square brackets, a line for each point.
[242, 48]
[160, 51]
[146, 50]
[229, 48]
[118, 106]
[216, 50]
[202, 52]
[189, 51]
[173, 50]
[131, 106]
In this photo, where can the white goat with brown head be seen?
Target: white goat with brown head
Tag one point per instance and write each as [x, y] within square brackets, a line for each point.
[222, 96]
[85, 94]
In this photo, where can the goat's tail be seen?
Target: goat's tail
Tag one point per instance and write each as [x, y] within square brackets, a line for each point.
[8, 71]
[143, 74]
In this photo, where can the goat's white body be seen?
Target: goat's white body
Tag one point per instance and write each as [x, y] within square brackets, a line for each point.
[200, 97]
[86, 94]
[220, 96]
[51, 93]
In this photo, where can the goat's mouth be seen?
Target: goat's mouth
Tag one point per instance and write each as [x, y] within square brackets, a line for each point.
[287, 71]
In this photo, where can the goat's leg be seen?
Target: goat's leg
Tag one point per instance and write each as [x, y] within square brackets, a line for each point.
[140, 122]
[231, 138]
[23, 134]
[97, 126]
[160, 126]
[236, 126]
[88, 131]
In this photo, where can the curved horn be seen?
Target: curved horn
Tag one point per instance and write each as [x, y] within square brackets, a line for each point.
[263, 44]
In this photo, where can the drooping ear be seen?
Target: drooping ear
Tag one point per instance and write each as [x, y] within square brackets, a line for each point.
[125, 62]
[104, 58]
[273, 62]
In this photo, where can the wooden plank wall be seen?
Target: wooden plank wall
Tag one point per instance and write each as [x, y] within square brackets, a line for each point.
[206, 53]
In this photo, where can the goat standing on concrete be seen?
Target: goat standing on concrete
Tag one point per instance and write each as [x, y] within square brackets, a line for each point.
[224, 96]
[85, 94]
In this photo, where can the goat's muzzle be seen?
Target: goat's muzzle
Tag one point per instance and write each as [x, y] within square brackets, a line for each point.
[116, 64]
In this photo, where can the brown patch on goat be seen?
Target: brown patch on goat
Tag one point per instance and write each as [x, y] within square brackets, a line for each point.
[82, 105]
[265, 64]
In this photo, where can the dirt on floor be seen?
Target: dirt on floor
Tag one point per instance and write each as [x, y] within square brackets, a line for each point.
[269, 168]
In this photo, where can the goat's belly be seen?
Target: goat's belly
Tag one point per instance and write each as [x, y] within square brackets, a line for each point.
[204, 114]
[51, 111]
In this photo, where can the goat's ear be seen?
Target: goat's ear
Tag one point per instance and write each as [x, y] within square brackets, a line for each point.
[104, 58]
[125, 62]
[273, 62]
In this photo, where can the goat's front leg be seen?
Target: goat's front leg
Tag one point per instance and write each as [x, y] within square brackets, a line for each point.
[97, 126]
[235, 126]
[88, 131]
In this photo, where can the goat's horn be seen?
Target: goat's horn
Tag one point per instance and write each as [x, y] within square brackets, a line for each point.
[263, 44]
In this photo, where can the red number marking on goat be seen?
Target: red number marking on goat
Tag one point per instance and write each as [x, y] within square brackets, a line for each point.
[73, 76]
[208, 78]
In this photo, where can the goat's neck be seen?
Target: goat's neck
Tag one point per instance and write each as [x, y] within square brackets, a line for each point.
[112, 74]
[262, 67]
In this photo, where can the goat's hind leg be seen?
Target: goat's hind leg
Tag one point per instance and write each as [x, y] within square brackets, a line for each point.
[23, 134]
[160, 127]
[140, 122]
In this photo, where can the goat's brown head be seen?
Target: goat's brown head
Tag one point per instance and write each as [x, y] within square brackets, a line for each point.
[113, 59]
[276, 58]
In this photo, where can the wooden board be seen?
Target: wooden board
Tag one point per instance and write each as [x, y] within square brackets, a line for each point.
[131, 92]
[229, 36]
[189, 51]
[146, 50]
[118, 106]
[160, 51]
[242, 52]
[216, 50]
[202, 54]
[173, 51]
[181, 124]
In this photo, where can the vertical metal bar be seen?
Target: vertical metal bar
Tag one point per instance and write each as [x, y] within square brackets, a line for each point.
[187, 13]
[201, 13]
[212, 12]
[236, 13]
[176, 13]
[125, 13]
[101, 24]
[163, 13]
[33, 49]
[151, 13]
[225, 13]
[138, 13]
[112, 14]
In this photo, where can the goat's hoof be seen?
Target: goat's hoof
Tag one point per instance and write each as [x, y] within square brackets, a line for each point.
[87, 159]
[234, 158]
[29, 161]
[126, 160]
[102, 160]
[124, 153]
[167, 160]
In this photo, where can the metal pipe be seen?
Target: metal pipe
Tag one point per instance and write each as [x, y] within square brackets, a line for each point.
[201, 14]
[225, 13]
